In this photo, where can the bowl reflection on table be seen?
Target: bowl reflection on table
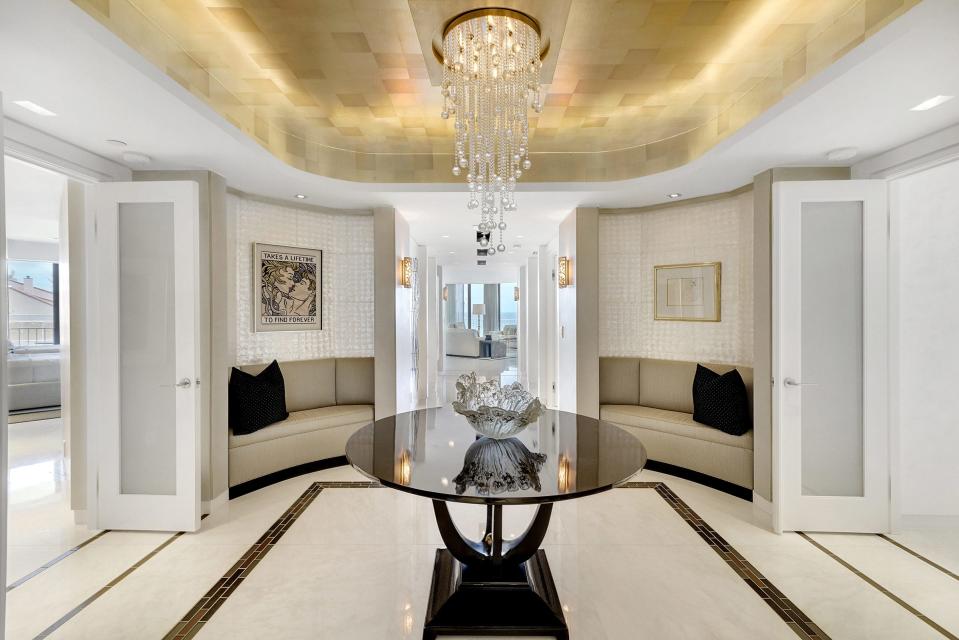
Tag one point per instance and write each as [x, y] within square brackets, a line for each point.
[495, 411]
[494, 466]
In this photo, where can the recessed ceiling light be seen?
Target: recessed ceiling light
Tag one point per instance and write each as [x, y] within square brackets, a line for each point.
[673, 196]
[34, 107]
[133, 157]
[842, 153]
[519, 236]
[300, 196]
[116, 143]
[931, 103]
[452, 252]
[444, 236]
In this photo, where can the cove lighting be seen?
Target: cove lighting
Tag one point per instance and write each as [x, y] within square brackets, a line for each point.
[34, 107]
[931, 103]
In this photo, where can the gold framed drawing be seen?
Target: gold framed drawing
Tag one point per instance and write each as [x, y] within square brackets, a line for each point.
[688, 292]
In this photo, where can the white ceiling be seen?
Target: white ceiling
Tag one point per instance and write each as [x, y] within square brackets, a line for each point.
[33, 198]
[54, 54]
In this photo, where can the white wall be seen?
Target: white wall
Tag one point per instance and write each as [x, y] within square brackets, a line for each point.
[529, 303]
[633, 242]
[347, 243]
[405, 383]
[925, 207]
[566, 322]
[490, 274]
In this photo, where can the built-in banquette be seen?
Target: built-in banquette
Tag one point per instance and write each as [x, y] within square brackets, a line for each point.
[653, 399]
[327, 400]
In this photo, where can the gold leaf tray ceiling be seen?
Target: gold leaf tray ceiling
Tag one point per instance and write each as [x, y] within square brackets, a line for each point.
[349, 89]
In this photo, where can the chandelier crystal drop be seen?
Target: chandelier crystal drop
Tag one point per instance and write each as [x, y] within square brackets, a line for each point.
[491, 65]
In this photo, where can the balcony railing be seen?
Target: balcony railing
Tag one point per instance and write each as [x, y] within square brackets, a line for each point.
[29, 336]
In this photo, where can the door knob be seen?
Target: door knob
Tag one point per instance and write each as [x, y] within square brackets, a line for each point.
[789, 382]
[184, 384]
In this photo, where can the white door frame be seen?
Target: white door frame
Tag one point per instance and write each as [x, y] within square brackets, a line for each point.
[131, 512]
[834, 513]
[4, 379]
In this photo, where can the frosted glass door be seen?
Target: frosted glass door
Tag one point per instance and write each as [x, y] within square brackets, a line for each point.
[831, 468]
[831, 349]
[147, 427]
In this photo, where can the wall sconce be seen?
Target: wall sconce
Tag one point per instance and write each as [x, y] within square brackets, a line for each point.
[446, 294]
[407, 267]
[565, 272]
[515, 294]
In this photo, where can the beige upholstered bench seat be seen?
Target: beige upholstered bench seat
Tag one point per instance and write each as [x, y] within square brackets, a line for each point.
[301, 422]
[328, 401]
[675, 422]
[653, 399]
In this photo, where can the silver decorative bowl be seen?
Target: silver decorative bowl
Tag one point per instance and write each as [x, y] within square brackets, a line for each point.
[494, 411]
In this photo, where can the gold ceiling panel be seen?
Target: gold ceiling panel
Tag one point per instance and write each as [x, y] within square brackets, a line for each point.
[348, 88]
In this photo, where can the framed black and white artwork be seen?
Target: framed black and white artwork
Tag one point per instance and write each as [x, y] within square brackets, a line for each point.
[287, 288]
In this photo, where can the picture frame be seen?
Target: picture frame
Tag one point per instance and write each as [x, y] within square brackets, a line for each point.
[287, 288]
[688, 292]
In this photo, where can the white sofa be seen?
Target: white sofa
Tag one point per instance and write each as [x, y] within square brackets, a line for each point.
[462, 342]
[328, 400]
[34, 377]
[654, 400]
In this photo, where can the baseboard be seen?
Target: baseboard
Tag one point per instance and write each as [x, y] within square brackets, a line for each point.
[209, 506]
[701, 478]
[285, 474]
[921, 521]
[762, 511]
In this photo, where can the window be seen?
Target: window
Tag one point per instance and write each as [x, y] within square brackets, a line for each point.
[508, 315]
[33, 290]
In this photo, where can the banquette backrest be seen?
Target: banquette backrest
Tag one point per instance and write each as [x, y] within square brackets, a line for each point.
[662, 384]
[311, 384]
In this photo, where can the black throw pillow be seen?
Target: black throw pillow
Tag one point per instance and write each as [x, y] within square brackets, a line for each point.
[256, 401]
[721, 401]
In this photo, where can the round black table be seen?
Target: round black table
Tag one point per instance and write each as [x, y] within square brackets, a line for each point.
[494, 586]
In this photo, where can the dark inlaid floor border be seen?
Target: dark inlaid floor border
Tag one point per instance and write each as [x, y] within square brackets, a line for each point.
[33, 574]
[886, 592]
[792, 615]
[918, 555]
[203, 610]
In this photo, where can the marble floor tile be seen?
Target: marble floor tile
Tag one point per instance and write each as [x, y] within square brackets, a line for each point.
[940, 544]
[930, 591]
[358, 563]
[42, 600]
[40, 524]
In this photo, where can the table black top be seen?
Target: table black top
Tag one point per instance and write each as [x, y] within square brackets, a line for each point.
[437, 454]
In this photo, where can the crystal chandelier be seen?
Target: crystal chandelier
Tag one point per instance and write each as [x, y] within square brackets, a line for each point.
[491, 63]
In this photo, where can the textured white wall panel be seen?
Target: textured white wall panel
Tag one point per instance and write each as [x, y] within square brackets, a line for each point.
[347, 244]
[632, 243]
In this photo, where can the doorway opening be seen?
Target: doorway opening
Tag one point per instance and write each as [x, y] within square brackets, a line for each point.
[41, 524]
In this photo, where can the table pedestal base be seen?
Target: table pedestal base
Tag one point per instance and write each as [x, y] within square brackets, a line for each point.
[519, 601]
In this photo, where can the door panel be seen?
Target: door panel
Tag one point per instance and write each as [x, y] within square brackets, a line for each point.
[830, 407]
[146, 412]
